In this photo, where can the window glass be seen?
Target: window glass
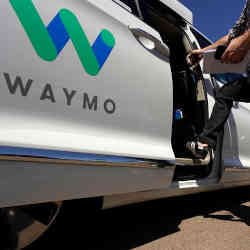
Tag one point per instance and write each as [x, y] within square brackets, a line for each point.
[203, 42]
[128, 5]
[151, 9]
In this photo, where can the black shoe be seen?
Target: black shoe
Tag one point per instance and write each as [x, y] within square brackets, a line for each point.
[196, 148]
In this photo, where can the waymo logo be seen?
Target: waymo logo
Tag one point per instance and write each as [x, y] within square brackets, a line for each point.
[49, 42]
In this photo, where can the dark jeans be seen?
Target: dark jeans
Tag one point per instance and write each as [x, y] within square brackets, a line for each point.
[238, 91]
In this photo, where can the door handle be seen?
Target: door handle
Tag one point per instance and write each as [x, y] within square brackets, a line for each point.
[152, 44]
[147, 43]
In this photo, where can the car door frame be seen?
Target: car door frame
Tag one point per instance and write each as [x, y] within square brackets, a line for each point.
[218, 166]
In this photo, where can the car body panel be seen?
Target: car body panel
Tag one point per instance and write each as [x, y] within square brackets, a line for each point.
[115, 11]
[37, 182]
[180, 9]
[240, 136]
[49, 123]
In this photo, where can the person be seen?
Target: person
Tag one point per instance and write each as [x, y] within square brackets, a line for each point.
[238, 45]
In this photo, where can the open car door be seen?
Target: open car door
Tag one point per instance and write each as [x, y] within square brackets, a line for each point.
[124, 108]
[139, 78]
[100, 88]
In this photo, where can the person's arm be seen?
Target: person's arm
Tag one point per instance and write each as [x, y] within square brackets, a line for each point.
[237, 49]
[196, 55]
[223, 41]
[237, 39]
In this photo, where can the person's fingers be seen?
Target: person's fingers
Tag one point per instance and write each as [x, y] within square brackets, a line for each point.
[231, 57]
[226, 57]
[195, 56]
[237, 59]
[191, 58]
[234, 61]
[196, 52]
[201, 56]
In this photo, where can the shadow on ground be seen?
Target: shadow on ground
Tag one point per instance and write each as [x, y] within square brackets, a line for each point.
[133, 226]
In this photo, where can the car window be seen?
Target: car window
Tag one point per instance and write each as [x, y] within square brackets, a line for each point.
[203, 42]
[158, 8]
[228, 77]
[128, 5]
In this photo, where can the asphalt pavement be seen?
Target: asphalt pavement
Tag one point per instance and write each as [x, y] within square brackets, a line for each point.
[209, 221]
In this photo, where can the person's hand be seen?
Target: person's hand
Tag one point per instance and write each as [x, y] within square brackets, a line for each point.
[237, 50]
[195, 56]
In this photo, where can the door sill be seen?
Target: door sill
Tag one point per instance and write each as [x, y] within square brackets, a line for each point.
[194, 162]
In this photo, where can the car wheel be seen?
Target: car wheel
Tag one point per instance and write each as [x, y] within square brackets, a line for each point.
[20, 226]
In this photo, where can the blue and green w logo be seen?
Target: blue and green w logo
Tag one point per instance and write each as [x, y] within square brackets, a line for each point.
[49, 42]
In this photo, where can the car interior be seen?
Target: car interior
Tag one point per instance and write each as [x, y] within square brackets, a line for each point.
[190, 106]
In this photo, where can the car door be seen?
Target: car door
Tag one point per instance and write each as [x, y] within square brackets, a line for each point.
[116, 100]
[223, 149]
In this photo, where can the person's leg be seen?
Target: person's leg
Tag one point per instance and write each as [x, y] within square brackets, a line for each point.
[220, 113]
[236, 91]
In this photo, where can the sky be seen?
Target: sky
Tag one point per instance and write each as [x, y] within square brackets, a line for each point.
[215, 17]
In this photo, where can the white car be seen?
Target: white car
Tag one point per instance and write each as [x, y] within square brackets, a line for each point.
[97, 100]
